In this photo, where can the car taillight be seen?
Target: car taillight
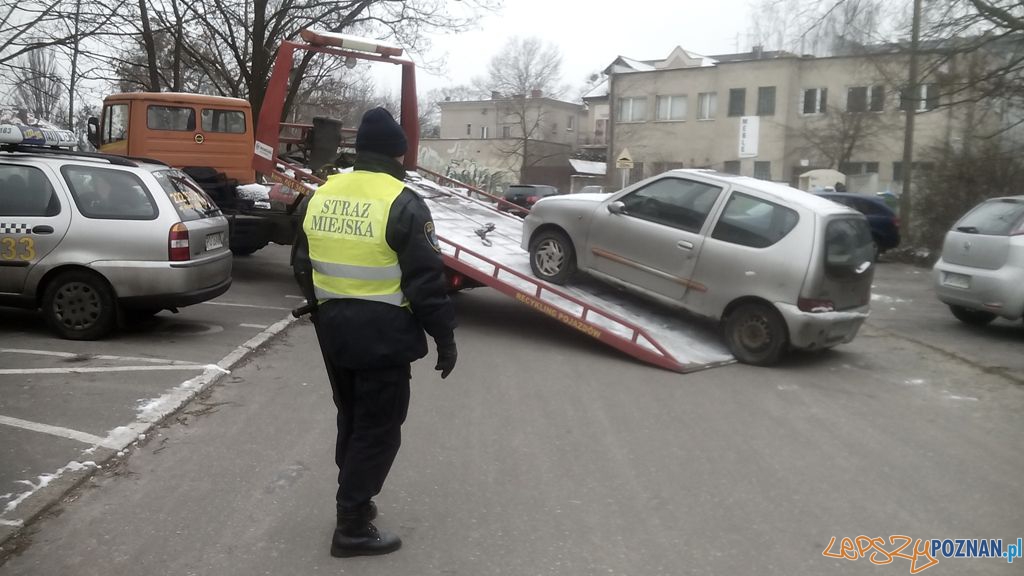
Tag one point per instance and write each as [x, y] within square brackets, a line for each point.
[815, 305]
[177, 243]
[532, 199]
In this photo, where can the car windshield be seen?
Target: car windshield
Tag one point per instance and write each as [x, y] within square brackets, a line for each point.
[849, 248]
[994, 218]
[188, 198]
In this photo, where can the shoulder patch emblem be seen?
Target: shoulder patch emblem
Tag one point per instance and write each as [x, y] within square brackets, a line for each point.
[428, 231]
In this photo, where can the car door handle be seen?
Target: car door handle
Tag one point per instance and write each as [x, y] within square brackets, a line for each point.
[685, 244]
[42, 229]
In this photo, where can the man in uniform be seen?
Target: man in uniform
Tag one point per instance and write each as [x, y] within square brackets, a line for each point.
[368, 257]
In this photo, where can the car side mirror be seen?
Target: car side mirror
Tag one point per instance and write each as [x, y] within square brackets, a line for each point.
[93, 131]
[617, 208]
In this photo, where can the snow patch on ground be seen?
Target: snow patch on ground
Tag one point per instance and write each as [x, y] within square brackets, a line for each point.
[40, 483]
[882, 298]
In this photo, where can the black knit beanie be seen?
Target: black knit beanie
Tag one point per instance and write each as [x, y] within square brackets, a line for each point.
[378, 132]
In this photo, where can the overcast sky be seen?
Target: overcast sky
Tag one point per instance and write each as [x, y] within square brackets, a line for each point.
[591, 34]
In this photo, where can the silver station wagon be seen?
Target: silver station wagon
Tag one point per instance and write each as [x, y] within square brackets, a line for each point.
[91, 239]
[777, 267]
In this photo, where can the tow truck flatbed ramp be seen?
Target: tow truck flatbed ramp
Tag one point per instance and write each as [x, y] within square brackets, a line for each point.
[646, 331]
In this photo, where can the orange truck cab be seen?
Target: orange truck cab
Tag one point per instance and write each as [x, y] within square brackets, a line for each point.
[182, 130]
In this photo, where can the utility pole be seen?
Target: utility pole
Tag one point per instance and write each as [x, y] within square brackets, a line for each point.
[914, 92]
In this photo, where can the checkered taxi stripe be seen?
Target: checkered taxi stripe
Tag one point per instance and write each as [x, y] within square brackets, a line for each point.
[12, 228]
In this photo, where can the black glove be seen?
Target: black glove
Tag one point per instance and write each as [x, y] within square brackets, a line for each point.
[447, 354]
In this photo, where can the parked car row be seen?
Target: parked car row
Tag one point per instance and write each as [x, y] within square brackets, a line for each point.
[94, 239]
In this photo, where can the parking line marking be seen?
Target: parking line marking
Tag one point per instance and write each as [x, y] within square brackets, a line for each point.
[97, 356]
[260, 326]
[245, 305]
[102, 369]
[56, 431]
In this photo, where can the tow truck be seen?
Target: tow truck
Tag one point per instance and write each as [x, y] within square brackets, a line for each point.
[480, 243]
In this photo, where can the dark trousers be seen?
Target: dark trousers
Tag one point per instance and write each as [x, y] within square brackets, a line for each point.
[372, 406]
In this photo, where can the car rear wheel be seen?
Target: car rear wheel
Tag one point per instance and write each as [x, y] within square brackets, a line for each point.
[79, 306]
[972, 317]
[756, 334]
[552, 257]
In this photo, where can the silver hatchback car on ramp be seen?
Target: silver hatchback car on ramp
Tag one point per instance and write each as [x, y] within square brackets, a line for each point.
[777, 267]
[91, 239]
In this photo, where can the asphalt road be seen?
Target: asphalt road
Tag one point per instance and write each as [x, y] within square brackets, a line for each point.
[59, 398]
[547, 453]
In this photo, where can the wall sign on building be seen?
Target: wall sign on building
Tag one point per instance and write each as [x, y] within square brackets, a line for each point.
[749, 131]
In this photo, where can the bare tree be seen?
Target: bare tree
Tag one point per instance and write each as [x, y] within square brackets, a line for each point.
[524, 72]
[839, 134]
[233, 43]
[39, 86]
[522, 66]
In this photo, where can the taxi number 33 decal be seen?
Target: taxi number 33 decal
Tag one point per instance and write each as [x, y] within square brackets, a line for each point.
[23, 248]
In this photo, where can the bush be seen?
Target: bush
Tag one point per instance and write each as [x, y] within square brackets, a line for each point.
[958, 180]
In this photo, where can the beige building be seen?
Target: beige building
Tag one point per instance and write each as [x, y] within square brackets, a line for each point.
[771, 115]
[500, 141]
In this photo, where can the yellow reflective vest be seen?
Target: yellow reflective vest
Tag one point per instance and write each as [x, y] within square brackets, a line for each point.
[345, 224]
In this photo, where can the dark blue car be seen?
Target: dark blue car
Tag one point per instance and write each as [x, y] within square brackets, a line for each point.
[885, 224]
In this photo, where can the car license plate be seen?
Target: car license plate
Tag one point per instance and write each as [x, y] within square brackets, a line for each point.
[956, 280]
[214, 241]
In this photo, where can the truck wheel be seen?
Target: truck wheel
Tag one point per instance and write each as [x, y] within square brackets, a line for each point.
[79, 305]
[971, 317]
[756, 334]
[552, 257]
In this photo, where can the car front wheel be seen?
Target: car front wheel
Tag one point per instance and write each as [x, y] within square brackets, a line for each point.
[972, 317]
[79, 306]
[756, 334]
[552, 257]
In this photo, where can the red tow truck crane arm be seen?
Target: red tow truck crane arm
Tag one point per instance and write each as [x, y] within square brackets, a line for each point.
[268, 133]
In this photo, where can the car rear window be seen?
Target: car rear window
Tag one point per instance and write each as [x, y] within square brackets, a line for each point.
[848, 247]
[189, 199]
[108, 194]
[753, 222]
[993, 218]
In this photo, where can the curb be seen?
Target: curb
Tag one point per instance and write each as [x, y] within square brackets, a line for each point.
[123, 439]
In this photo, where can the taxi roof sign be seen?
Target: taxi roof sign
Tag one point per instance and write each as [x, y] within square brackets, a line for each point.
[35, 136]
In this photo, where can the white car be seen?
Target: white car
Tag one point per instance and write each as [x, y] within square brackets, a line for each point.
[778, 267]
[981, 272]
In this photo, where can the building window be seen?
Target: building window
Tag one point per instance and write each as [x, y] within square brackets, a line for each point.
[737, 101]
[506, 131]
[469, 129]
[707, 105]
[731, 167]
[919, 167]
[671, 108]
[927, 98]
[484, 132]
[766, 101]
[763, 170]
[865, 99]
[815, 100]
[632, 109]
[853, 168]
[570, 123]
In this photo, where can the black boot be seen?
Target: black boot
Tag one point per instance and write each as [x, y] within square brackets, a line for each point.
[356, 536]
